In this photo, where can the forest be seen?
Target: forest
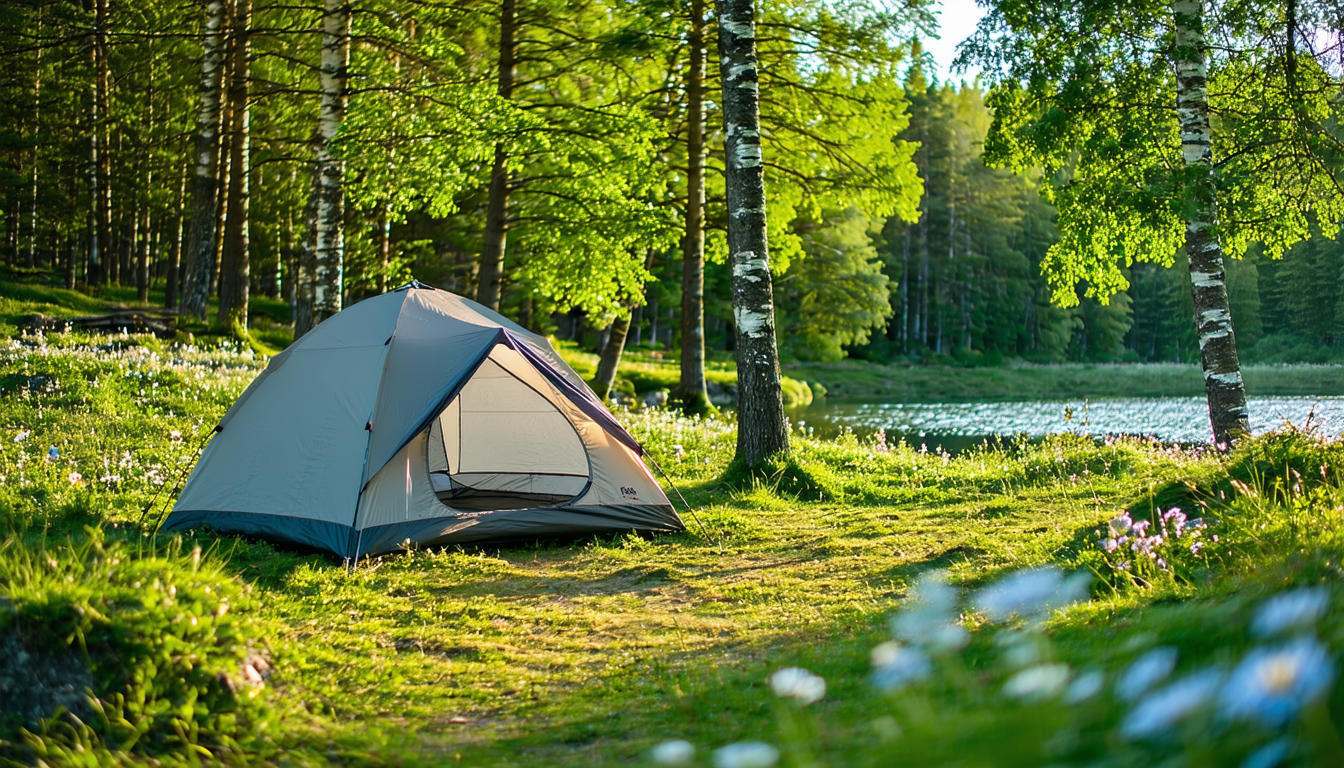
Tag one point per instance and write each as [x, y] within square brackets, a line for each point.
[563, 160]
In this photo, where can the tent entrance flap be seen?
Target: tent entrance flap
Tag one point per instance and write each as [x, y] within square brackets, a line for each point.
[501, 444]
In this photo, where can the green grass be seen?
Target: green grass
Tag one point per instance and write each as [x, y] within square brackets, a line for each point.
[555, 653]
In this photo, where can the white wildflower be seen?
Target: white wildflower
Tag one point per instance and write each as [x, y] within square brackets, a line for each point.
[746, 754]
[1150, 669]
[899, 665]
[1086, 686]
[1043, 681]
[1031, 594]
[1298, 609]
[19, 438]
[1273, 684]
[1163, 709]
[796, 683]
[674, 752]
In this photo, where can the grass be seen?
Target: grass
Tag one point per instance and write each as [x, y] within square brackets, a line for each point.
[591, 652]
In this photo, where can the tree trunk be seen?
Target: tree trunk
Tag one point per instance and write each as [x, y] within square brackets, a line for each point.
[235, 263]
[691, 389]
[201, 240]
[303, 283]
[1208, 284]
[101, 203]
[384, 246]
[174, 271]
[329, 241]
[37, 112]
[761, 428]
[497, 213]
[611, 355]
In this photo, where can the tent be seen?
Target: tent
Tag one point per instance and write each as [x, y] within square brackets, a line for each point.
[419, 416]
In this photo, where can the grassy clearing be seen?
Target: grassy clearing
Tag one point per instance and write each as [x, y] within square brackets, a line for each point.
[591, 652]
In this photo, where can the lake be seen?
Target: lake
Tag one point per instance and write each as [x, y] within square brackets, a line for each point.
[958, 426]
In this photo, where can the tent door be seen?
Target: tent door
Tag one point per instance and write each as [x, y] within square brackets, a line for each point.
[501, 444]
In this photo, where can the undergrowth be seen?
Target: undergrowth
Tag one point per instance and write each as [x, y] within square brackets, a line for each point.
[575, 653]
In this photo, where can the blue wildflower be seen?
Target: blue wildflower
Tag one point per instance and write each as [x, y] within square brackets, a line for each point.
[1272, 684]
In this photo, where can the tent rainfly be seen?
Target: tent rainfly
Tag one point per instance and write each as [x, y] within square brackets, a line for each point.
[419, 416]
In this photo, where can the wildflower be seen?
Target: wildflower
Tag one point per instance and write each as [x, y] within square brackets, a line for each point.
[899, 665]
[1043, 681]
[1272, 684]
[1165, 708]
[674, 752]
[1150, 669]
[1270, 755]
[175, 436]
[19, 438]
[796, 683]
[1031, 593]
[74, 477]
[1194, 548]
[1084, 687]
[930, 619]
[746, 754]
[1297, 609]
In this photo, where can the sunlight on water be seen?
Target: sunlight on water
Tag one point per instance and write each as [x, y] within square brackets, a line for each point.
[1173, 419]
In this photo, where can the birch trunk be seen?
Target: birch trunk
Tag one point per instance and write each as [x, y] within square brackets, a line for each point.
[201, 237]
[497, 212]
[761, 428]
[691, 389]
[329, 242]
[1208, 284]
[235, 262]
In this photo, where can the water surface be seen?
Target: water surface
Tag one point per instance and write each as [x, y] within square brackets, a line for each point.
[956, 426]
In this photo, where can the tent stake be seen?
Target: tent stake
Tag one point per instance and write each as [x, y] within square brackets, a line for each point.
[718, 543]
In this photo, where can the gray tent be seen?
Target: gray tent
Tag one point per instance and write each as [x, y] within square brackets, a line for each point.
[419, 416]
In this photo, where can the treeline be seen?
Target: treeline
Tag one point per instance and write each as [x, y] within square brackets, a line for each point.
[562, 160]
[537, 155]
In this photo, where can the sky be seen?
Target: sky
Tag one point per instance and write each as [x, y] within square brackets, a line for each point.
[956, 22]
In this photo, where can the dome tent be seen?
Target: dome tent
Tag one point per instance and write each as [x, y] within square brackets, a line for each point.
[419, 416]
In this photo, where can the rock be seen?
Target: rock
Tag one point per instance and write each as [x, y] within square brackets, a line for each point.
[620, 398]
[36, 680]
[653, 399]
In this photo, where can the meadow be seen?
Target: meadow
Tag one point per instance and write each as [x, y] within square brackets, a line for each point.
[945, 609]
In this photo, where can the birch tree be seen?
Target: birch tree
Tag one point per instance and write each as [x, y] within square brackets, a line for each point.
[201, 237]
[761, 428]
[329, 238]
[1162, 141]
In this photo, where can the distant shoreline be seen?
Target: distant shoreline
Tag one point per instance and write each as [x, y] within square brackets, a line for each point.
[861, 380]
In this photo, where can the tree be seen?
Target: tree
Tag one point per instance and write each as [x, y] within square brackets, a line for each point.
[1088, 90]
[761, 428]
[235, 266]
[329, 234]
[200, 241]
